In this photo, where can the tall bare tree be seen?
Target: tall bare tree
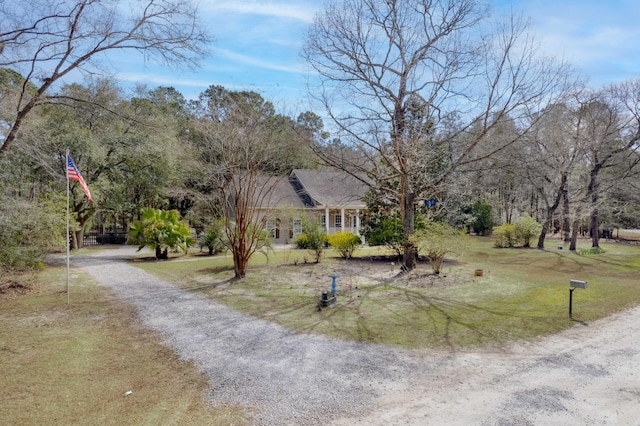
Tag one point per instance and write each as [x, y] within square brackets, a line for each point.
[417, 85]
[238, 139]
[612, 137]
[552, 151]
[46, 40]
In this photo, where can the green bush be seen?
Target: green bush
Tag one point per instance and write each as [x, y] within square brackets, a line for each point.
[302, 241]
[385, 231]
[592, 250]
[212, 238]
[344, 243]
[521, 233]
[527, 228]
[28, 230]
[437, 240]
[483, 213]
[160, 230]
[313, 238]
[381, 230]
[505, 235]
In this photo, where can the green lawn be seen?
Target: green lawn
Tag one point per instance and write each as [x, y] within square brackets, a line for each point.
[72, 364]
[523, 293]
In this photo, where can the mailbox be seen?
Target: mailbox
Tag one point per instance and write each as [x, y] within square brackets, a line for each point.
[574, 284]
[578, 284]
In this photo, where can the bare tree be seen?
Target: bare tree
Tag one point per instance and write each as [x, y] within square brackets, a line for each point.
[552, 151]
[242, 158]
[416, 87]
[46, 40]
[612, 136]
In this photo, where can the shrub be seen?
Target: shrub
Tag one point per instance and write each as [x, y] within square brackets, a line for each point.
[344, 243]
[28, 230]
[386, 231]
[160, 230]
[592, 250]
[437, 240]
[211, 238]
[313, 238]
[483, 213]
[302, 241]
[527, 228]
[505, 235]
[381, 230]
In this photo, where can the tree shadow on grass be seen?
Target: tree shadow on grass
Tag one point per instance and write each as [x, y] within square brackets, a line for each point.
[216, 269]
[207, 287]
[413, 319]
[462, 324]
[441, 319]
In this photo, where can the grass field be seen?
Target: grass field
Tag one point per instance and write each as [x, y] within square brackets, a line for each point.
[522, 294]
[72, 364]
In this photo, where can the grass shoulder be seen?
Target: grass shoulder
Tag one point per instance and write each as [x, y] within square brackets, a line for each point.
[522, 294]
[72, 364]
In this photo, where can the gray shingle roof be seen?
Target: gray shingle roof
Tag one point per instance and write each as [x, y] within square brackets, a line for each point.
[327, 188]
[281, 194]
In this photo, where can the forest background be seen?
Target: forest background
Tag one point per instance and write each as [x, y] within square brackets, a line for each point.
[496, 131]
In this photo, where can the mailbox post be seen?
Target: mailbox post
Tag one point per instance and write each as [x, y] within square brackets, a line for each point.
[573, 284]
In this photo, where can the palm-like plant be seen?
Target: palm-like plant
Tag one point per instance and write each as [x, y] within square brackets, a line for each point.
[212, 237]
[160, 230]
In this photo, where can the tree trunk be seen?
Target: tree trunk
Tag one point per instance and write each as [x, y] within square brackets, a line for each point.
[79, 237]
[545, 229]
[592, 191]
[239, 265]
[566, 225]
[408, 229]
[551, 211]
[74, 240]
[162, 254]
[574, 236]
[82, 216]
[595, 225]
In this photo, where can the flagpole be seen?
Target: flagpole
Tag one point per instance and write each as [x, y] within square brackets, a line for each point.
[66, 160]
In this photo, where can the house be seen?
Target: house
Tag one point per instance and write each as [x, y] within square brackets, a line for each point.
[334, 198]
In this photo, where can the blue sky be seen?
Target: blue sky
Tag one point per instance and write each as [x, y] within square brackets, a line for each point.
[258, 42]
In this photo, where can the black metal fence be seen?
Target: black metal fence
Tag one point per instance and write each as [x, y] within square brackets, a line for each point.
[95, 239]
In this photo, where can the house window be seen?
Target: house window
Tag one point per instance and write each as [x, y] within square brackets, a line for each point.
[337, 221]
[323, 221]
[270, 227]
[297, 227]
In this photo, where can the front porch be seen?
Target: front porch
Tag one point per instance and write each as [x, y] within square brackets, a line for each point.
[341, 219]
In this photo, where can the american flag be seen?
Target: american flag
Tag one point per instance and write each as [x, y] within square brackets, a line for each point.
[74, 174]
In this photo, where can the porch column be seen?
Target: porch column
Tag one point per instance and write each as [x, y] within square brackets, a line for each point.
[342, 219]
[326, 219]
[358, 222]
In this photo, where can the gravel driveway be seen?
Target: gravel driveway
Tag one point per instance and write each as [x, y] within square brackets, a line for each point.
[589, 375]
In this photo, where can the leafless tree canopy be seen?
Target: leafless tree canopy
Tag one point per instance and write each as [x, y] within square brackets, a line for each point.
[417, 85]
[237, 140]
[45, 40]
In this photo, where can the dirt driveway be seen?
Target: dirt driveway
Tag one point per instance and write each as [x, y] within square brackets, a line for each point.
[588, 375]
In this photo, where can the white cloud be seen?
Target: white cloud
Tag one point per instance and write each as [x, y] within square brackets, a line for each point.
[260, 63]
[160, 80]
[302, 12]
